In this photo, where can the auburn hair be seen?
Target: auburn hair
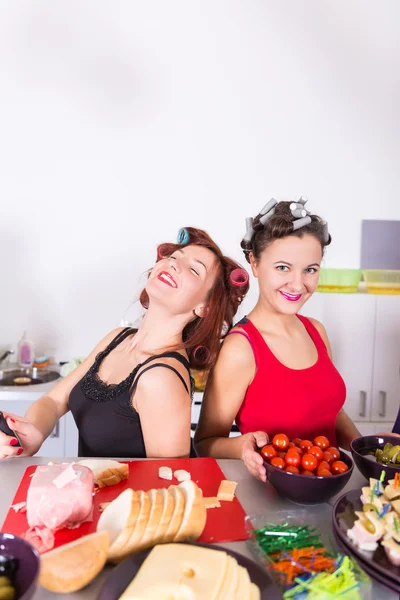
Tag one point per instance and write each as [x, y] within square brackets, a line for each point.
[202, 337]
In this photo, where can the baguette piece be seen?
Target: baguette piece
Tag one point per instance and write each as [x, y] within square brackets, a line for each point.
[166, 516]
[195, 514]
[119, 520]
[106, 472]
[177, 516]
[156, 499]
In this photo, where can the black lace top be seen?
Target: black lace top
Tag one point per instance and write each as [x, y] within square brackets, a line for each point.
[108, 424]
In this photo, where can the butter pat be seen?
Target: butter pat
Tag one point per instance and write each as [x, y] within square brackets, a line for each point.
[182, 475]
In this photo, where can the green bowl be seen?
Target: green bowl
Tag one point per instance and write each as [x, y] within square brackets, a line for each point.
[339, 280]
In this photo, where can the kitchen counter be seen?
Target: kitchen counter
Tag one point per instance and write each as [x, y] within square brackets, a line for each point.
[256, 498]
[28, 393]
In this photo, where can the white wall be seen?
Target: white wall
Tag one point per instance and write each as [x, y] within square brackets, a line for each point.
[121, 121]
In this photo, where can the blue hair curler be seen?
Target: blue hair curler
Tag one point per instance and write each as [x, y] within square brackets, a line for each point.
[183, 236]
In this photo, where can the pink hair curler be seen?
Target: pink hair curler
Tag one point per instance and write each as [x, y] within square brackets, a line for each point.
[239, 277]
[200, 355]
[161, 251]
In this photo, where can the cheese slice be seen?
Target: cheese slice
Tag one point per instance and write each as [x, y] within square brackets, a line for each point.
[255, 592]
[231, 580]
[179, 572]
[226, 490]
[243, 588]
[106, 471]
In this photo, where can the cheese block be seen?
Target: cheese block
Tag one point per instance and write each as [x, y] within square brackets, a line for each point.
[179, 572]
[195, 513]
[226, 490]
[166, 516]
[177, 516]
[165, 473]
[211, 502]
[119, 520]
[156, 499]
[106, 472]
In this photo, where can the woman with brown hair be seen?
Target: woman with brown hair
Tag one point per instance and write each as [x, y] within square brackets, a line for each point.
[131, 397]
[276, 375]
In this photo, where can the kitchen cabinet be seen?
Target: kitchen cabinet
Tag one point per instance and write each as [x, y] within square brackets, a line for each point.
[364, 332]
[54, 445]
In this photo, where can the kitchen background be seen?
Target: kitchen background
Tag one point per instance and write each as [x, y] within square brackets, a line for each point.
[123, 121]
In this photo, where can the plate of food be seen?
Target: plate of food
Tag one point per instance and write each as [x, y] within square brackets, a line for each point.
[367, 522]
[190, 570]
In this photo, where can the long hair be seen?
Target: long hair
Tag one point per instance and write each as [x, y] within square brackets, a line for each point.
[202, 336]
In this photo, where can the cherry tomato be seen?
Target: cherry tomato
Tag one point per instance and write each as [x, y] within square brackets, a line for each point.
[268, 452]
[334, 451]
[280, 441]
[281, 455]
[292, 458]
[322, 442]
[278, 462]
[308, 473]
[309, 462]
[319, 455]
[305, 445]
[323, 473]
[339, 467]
[292, 469]
[327, 456]
[292, 445]
[297, 442]
[324, 465]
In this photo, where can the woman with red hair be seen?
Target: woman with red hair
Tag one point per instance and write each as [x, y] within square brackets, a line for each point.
[131, 397]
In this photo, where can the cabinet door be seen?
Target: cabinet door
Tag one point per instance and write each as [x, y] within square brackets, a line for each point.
[349, 322]
[54, 445]
[386, 376]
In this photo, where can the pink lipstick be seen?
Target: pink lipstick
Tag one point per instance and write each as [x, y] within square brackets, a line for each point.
[291, 297]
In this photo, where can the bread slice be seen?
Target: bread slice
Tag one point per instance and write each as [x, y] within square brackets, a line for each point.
[156, 499]
[230, 581]
[119, 519]
[133, 543]
[72, 566]
[243, 589]
[166, 516]
[179, 571]
[255, 592]
[177, 516]
[195, 514]
[106, 472]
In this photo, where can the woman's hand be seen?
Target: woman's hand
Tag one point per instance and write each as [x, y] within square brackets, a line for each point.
[250, 455]
[29, 437]
[388, 433]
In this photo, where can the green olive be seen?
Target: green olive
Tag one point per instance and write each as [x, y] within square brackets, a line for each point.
[369, 508]
[7, 593]
[369, 527]
[5, 581]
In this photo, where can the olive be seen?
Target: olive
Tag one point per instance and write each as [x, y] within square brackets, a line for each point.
[4, 581]
[8, 565]
[7, 593]
[369, 527]
[369, 508]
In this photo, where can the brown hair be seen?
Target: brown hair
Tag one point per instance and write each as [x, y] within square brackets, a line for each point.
[281, 225]
[223, 302]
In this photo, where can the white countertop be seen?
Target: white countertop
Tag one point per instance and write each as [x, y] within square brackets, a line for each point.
[26, 392]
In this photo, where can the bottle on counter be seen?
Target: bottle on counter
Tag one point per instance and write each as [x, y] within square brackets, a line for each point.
[25, 352]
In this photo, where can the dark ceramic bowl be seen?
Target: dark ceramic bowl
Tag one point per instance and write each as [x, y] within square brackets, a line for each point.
[366, 463]
[308, 490]
[25, 578]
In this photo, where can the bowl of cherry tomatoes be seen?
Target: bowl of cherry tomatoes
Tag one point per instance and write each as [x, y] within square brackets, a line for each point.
[306, 471]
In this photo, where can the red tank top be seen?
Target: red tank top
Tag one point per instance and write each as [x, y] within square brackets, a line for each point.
[301, 403]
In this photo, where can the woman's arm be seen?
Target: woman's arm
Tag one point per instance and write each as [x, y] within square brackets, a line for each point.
[43, 414]
[164, 408]
[346, 431]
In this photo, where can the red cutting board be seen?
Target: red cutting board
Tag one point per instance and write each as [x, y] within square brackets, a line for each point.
[224, 524]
